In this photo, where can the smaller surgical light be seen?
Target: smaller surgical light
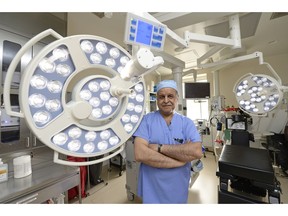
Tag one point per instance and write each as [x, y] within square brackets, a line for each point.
[261, 90]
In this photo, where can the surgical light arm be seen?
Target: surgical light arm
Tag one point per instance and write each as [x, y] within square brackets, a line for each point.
[141, 63]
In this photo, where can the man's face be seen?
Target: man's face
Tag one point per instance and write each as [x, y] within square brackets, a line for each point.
[167, 99]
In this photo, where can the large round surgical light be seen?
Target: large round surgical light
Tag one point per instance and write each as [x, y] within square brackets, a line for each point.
[258, 94]
[72, 105]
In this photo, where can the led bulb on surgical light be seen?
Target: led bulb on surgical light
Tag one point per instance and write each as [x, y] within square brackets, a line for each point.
[54, 86]
[126, 118]
[41, 117]
[124, 60]
[53, 105]
[37, 100]
[74, 145]
[134, 119]
[96, 58]
[110, 62]
[114, 53]
[105, 85]
[103, 145]
[101, 47]
[60, 139]
[87, 46]
[89, 147]
[105, 96]
[96, 113]
[95, 101]
[128, 127]
[90, 136]
[105, 134]
[47, 65]
[75, 133]
[113, 101]
[60, 54]
[38, 82]
[85, 94]
[63, 70]
[94, 86]
[114, 140]
[106, 110]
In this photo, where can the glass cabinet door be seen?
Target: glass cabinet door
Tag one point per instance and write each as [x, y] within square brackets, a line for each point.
[14, 133]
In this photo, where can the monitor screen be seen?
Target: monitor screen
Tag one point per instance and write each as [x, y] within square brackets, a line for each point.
[197, 90]
[144, 33]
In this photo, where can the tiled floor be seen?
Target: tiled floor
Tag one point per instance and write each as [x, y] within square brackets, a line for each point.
[203, 191]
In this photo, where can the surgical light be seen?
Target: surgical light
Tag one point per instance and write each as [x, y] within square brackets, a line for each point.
[78, 103]
[258, 94]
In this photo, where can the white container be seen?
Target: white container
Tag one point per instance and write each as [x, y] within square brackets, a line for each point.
[3, 171]
[22, 166]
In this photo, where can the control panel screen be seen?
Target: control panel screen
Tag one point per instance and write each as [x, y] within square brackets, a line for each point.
[143, 32]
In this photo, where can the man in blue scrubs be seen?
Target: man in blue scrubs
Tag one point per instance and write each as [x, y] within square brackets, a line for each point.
[165, 143]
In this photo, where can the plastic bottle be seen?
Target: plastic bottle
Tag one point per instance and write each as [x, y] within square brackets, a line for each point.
[3, 171]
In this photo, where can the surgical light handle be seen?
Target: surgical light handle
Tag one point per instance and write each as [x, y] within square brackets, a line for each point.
[13, 65]
[71, 163]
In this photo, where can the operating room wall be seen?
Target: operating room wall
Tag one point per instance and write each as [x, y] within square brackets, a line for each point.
[89, 23]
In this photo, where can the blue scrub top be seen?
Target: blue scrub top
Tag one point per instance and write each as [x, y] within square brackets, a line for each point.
[159, 185]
